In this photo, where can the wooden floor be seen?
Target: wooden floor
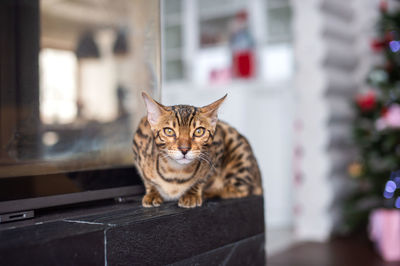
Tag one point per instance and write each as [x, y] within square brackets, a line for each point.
[339, 252]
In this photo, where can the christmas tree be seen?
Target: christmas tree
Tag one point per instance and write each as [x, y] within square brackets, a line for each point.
[376, 130]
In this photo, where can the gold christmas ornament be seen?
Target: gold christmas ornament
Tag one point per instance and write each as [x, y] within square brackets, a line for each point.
[354, 170]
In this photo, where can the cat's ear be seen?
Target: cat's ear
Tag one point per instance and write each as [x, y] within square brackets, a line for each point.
[154, 109]
[211, 110]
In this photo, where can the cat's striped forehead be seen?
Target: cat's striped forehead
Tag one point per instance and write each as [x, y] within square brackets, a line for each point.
[184, 114]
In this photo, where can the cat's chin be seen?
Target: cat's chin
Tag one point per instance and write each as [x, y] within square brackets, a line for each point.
[184, 161]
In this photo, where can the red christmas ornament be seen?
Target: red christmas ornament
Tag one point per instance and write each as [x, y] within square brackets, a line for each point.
[377, 45]
[384, 111]
[389, 36]
[367, 101]
[383, 6]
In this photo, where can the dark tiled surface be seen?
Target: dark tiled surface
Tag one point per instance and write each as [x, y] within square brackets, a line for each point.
[196, 231]
[53, 244]
[127, 234]
[249, 251]
[135, 214]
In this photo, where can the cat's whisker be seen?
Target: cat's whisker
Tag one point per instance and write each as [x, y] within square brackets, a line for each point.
[164, 155]
[200, 159]
[207, 160]
[210, 164]
[205, 155]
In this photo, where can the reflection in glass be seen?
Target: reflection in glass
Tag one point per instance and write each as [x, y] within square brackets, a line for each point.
[95, 59]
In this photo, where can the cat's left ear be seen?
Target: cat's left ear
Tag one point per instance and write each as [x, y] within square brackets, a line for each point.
[211, 110]
[154, 109]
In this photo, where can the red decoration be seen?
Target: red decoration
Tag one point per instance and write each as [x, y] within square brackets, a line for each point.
[367, 101]
[243, 64]
[383, 6]
[241, 15]
[377, 45]
[384, 111]
[389, 36]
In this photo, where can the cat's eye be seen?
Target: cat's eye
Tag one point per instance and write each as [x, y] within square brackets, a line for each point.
[169, 132]
[199, 132]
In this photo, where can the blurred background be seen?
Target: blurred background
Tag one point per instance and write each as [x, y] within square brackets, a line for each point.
[313, 85]
[297, 74]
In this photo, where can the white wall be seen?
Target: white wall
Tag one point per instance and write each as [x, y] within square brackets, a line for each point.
[332, 58]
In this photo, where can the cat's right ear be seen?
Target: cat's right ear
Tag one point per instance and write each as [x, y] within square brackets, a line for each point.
[154, 109]
[211, 110]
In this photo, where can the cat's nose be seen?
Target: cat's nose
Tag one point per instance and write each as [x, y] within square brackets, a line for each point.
[184, 150]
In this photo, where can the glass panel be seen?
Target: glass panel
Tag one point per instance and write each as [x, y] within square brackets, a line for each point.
[209, 8]
[173, 37]
[95, 59]
[172, 7]
[277, 3]
[279, 24]
[215, 31]
[174, 70]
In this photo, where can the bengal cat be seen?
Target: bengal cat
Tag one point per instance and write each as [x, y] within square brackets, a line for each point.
[185, 153]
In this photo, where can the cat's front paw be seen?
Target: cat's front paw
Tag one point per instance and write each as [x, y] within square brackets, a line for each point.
[190, 201]
[151, 199]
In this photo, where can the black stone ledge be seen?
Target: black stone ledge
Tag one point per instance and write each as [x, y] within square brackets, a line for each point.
[249, 251]
[221, 232]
